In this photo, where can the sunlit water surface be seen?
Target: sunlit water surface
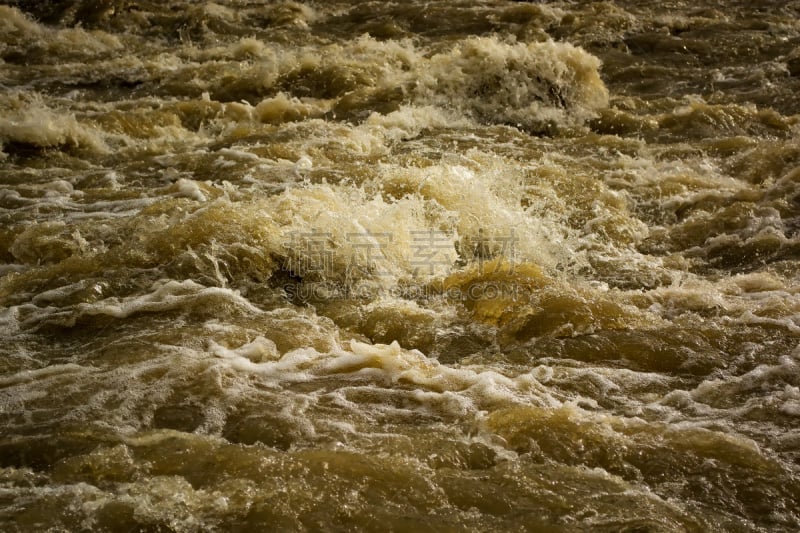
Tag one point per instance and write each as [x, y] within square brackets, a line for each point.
[464, 265]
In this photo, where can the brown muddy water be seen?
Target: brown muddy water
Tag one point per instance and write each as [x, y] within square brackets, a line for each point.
[471, 265]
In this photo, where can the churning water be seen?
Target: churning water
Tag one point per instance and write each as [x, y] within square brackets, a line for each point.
[446, 265]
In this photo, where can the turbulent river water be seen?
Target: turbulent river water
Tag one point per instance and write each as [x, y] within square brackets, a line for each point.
[399, 266]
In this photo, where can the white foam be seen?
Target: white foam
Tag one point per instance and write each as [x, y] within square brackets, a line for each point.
[165, 295]
[519, 83]
[190, 189]
[30, 121]
[386, 365]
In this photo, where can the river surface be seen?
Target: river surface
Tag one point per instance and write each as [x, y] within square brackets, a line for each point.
[473, 265]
